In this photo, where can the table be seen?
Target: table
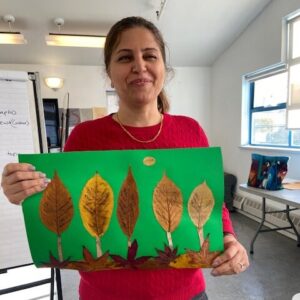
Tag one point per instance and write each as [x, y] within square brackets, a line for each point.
[284, 196]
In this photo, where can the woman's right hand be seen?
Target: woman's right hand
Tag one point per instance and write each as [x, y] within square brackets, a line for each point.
[20, 180]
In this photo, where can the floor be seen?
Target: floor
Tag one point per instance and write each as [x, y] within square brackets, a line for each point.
[274, 273]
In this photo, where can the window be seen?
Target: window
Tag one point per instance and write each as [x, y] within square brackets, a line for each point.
[272, 97]
[268, 111]
[293, 109]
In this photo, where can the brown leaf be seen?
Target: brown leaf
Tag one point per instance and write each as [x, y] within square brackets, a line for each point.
[56, 207]
[128, 205]
[93, 264]
[55, 263]
[96, 205]
[204, 258]
[89, 263]
[167, 204]
[200, 205]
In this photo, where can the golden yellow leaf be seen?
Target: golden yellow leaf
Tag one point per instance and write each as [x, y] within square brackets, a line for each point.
[56, 207]
[96, 205]
[167, 204]
[200, 205]
[128, 205]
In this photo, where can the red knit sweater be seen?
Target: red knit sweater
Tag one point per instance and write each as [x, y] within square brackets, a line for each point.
[169, 284]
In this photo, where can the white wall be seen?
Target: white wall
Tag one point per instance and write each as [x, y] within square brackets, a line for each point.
[259, 46]
[85, 84]
[189, 89]
[189, 93]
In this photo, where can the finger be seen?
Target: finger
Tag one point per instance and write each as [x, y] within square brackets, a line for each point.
[14, 167]
[22, 176]
[237, 264]
[226, 256]
[25, 185]
[19, 197]
[228, 268]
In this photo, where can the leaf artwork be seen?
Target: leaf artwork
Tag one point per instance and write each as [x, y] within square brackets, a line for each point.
[130, 209]
[167, 206]
[200, 206]
[128, 206]
[96, 206]
[56, 209]
[196, 259]
[132, 261]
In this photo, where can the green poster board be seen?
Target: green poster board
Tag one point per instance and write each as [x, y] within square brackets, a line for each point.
[127, 209]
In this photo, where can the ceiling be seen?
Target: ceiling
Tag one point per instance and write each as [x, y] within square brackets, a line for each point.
[196, 31]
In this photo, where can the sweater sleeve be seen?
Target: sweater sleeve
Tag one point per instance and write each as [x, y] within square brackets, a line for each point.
[227, 224]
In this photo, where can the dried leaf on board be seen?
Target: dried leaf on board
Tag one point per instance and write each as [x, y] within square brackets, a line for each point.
[200, 206]
[167, 206]
[166, 256]
[56, 210]
[56, 207]
[128, 205]
[54, 263]
[92, 264]
[204, 258]
[132, 261]
[96, 206]
[196, 259]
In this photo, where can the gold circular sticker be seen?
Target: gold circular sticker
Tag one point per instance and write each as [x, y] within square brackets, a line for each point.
[149, 161]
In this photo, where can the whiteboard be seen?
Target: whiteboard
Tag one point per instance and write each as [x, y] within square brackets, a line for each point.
[21, 123]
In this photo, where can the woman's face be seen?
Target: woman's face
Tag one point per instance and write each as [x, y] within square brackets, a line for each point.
[137, 69]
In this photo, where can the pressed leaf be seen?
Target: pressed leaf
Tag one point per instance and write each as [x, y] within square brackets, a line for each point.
[93, 264]
[56, 208]
[166, 256]
[204, 258]
[55, 263]
[196, 259]
[200, 205]
[167, 204]
[96, 205]
[132, 261]
[128, 205]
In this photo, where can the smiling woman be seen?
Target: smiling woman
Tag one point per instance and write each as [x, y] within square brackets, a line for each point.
[135, 62]
[137, 72]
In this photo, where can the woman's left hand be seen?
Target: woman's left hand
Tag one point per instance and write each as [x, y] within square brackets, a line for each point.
[233, 260]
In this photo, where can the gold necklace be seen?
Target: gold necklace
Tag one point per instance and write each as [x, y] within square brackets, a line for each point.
[136, 139]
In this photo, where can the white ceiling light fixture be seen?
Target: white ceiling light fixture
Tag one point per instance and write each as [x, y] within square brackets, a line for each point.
[54, 83]
[11, 37]
[73, 40]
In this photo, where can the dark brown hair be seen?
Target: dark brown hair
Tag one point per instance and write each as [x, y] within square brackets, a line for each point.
[113, 38]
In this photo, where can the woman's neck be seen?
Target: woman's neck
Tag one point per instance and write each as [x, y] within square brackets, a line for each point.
[138, 117]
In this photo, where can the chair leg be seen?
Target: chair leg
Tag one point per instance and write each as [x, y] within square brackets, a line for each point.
[58, 285]
[52, 280]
